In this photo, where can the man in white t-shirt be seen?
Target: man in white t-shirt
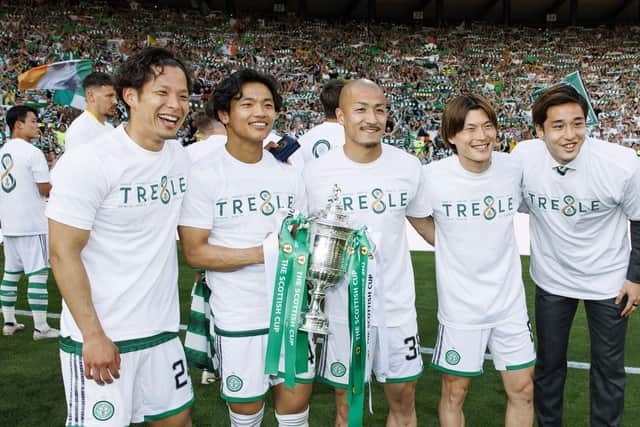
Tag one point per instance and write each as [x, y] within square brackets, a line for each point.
[235, 200]
[211, 135]
[473, 197]
[581, 194]
[380, 188]
[329, 134]
[100, 93]
[25, 186]
[114, 256]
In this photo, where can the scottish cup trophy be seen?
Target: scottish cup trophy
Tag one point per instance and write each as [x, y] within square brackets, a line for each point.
[329, 234]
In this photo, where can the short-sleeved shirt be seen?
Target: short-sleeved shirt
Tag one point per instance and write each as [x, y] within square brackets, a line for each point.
[240, 203]
[198, 150]
[478, 268]
[22, 167]
[320, 139]
[129, 199]
[380, 195]
[579, 221]
[84, 129]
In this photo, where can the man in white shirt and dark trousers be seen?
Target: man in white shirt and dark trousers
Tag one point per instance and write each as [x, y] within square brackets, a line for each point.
[581, 194]
[24, 187]
[100, 92]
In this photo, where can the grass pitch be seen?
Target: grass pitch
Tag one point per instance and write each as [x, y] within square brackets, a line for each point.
[32, 391]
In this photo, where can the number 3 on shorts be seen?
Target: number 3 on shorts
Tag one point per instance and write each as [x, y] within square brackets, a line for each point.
[413, 343]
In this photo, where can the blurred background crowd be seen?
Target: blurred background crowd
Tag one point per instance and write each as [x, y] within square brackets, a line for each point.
[418, 67]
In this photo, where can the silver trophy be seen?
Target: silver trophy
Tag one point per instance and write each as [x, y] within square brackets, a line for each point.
[329, 234]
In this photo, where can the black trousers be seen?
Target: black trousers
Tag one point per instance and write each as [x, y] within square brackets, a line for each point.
[607, 330]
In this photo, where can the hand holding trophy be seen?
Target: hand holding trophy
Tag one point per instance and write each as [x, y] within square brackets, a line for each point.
[324, 249]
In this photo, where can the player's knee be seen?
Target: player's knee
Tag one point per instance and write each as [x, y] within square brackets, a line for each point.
[454, 392]
[402, 398]
[521, 392]
[245, 418]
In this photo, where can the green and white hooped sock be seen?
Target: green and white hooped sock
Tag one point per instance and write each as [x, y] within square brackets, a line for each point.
[9, 294]
[39, 300]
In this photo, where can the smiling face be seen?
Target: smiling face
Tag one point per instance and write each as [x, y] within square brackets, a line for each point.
[476, 140]
[251, 114]
[363, 113]
[159, 108]
[563, 131]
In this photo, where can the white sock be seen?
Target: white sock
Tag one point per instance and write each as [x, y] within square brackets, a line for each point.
[294, 420]
[238, 420]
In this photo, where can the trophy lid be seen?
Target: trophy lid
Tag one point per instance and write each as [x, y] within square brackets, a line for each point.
[333, 214]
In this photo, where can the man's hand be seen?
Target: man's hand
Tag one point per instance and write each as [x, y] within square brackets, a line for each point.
[632, 291]
[101, 359]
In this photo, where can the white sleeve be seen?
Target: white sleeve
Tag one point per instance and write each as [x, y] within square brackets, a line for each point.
[198, 206]
[39, 168]
[418, 206]
[631, 196]
[79, 188]
[300, 202]
[517, 157]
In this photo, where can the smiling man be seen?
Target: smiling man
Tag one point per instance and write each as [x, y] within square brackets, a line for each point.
[380, 187]
[233, 203]
[112, 214]
[101, 98]
[580, 193]
[473, 197]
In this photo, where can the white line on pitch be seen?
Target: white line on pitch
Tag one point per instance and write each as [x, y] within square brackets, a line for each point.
[423, 350]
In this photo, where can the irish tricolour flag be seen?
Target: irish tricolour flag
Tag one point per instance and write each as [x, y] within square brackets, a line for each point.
[64, 78]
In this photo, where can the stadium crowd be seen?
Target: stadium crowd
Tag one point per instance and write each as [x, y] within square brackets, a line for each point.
[419, 68]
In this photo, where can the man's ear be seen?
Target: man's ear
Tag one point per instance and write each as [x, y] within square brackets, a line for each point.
[340, 116]
[223, 116]
[130, 96]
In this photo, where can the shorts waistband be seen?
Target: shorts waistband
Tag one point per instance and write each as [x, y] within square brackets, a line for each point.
[69, 345]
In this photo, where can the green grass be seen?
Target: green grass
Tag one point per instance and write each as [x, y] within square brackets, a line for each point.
[32, 391]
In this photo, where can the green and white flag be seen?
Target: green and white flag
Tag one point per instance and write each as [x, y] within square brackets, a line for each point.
[574, 80]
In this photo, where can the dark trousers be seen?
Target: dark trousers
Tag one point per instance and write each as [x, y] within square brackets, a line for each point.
[607, 330]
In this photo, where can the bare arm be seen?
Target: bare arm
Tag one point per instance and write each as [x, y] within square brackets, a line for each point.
[200, 254]
[101, 357]
[425, 227]
[44, 188]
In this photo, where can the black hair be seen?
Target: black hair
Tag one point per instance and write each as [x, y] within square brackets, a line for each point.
[556, 95]
[98, 79]
[330, 97]
[231, 88]
[18, 114]
[146, 65]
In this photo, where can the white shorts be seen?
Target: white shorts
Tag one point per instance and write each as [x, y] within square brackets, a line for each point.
[242, 363]
[461, 351]
[403, 351]
[26, 254]
[153, 384]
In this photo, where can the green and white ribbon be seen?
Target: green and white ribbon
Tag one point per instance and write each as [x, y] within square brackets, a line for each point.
[199, 342]
[357, 261]
[289, 302]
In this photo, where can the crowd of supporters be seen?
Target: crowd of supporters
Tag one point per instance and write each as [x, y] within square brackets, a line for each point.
[418, 67]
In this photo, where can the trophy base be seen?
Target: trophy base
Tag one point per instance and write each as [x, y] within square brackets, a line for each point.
[315, 324]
